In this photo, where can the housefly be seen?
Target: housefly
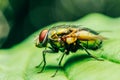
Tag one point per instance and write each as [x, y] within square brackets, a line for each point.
[67, 38]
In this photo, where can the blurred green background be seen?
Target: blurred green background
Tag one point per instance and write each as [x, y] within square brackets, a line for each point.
[20, 18]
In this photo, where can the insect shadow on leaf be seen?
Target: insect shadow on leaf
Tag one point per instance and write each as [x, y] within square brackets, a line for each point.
[74, 59]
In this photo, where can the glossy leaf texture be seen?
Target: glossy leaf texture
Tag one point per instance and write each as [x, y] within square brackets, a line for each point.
[18, 62]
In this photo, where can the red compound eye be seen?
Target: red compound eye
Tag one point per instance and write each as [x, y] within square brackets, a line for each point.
[42, 35]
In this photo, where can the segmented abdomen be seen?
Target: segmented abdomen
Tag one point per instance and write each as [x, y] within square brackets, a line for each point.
[93, 44]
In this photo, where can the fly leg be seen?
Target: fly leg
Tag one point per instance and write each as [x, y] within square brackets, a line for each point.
[43, 61]
[90, 53]
[52, 50]
[43, 55]
[59, 65]
[39, 64]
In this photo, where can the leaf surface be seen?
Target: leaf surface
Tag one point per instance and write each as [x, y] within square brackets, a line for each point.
[18, 62]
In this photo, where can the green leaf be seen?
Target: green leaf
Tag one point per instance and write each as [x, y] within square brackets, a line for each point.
[18, 63]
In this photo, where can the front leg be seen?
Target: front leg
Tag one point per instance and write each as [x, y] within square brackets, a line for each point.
[44, 59]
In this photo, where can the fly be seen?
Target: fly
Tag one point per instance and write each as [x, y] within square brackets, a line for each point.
[67, 38]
